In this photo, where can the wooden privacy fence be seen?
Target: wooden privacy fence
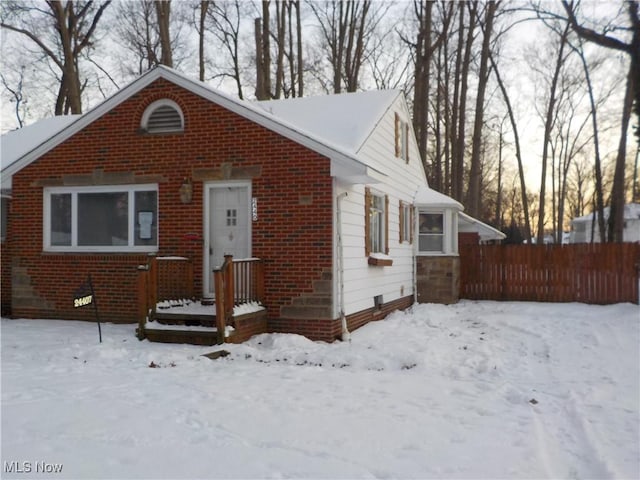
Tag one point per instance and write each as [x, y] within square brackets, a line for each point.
[596, 273]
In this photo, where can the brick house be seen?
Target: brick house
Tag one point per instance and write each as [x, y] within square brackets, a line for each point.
[329, 192]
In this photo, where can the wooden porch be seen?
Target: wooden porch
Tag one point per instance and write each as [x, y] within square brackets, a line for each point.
[168, 311]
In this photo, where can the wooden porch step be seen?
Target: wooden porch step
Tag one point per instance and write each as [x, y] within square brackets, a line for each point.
[185, 319]
[193, 337]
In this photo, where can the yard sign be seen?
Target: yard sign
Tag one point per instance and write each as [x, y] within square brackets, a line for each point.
[84, 296]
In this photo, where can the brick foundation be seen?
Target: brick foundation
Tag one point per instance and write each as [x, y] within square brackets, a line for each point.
[328, 330]
[438, 279]
[246, 326]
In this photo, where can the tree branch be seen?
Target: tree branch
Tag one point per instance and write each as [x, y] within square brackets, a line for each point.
[33, 37]
[592, 35]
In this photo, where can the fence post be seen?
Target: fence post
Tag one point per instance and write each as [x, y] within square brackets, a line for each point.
[218, 279]
[152, 284]
[143, 300]
[260, 281]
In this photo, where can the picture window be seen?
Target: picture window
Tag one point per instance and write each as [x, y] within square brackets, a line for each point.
[122, 218]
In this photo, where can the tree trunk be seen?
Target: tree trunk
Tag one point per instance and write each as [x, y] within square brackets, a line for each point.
[204, 7]
[299, 42]
[266, 49]
[616, 215]
[514, 127]
[464, 77]
[456, 167]
[547, 132]
[163, 11]
[475, 177]
[261, 94]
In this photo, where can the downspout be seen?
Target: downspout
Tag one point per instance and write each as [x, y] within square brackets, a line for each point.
[346, 336]
[416, 238]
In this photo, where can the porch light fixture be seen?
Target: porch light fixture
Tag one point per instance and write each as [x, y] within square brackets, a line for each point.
[186, 191]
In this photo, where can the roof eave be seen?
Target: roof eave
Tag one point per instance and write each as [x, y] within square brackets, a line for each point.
[243, 109]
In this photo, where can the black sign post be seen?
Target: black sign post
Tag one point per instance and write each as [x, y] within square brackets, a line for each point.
[85, 295]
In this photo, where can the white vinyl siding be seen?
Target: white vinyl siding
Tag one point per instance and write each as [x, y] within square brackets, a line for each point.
[362, 281]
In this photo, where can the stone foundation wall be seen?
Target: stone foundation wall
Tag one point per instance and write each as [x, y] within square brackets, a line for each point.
[438, 279]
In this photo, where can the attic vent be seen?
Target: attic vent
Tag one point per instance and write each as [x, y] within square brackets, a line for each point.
[162, 116]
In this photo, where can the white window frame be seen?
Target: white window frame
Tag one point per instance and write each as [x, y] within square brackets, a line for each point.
[378, 235]
[74, 191]
[164, 102]
[404, 141]
[449, 232]
[406, 224]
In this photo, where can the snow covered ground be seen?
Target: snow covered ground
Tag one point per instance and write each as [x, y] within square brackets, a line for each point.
[474, 390]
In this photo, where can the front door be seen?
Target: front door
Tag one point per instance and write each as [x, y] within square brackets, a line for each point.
[227, 228]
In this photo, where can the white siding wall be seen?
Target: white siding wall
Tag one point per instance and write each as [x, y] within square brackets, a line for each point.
[363, 282]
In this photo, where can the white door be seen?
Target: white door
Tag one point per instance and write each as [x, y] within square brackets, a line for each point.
[228, 229]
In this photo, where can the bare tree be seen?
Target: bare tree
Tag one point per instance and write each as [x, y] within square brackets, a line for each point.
[223, 20]
[599, 195]
[549, 116]
[163, 12]
[463, 78]
[17, 95]
[287, 51]
[346, 28]
[137, 31]
[202, 17]
[632, 90]
[473, 201]
[61, 31]
[423, 49]
[514, 127]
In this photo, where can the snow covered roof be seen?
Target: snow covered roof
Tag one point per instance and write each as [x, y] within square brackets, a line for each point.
[345, 119]
[467, 223]
[327, 141]
[425, 196]
[16, 143]
[631, 212]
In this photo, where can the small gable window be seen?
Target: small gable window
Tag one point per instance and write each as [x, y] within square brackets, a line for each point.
[162, 116]
[401, 139]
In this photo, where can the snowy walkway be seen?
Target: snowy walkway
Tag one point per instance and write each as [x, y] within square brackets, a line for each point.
[474, 390]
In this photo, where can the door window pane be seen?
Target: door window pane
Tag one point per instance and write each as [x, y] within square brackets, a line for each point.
[103, 219]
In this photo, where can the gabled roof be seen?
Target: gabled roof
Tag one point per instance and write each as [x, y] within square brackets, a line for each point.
[344, 161]
[345, 119]
[16, 143]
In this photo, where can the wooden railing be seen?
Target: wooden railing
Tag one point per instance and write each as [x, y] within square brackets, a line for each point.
[248, 281]
[236, 282]
[162, 278]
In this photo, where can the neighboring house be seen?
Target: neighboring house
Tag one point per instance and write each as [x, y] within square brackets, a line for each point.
[584, 228]
[327, 191]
